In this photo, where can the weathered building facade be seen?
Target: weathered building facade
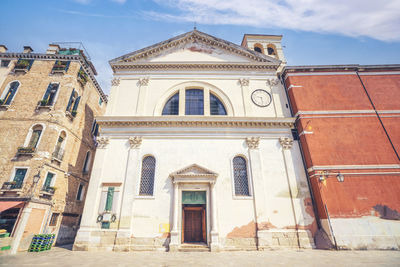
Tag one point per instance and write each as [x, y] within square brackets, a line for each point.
[196, 152]
[47, 141]
[348, 119]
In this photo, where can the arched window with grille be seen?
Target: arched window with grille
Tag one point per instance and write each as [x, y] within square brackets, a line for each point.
[147, 176]
[240, 176]
[216, 106]
[172, 106]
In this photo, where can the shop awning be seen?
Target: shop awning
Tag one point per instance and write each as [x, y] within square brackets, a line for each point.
[5, 205]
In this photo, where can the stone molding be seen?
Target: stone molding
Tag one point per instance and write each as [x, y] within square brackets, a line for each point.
[244, 81]
[115, 81]
[253, 142]
[193, 122]
[272, 82]
[102, 142]
[194, 66]
[286, 142]
[135, 142]
[144, 81]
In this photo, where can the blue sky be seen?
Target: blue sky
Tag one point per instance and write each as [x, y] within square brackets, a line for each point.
[314, 31]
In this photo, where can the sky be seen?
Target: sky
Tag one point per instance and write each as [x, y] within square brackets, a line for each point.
[315, 32]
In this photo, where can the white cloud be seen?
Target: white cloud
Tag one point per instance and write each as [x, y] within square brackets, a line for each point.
[376, 19]
[83, 2]
[119, 1]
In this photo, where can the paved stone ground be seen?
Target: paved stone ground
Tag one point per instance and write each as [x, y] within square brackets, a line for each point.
[65, 257]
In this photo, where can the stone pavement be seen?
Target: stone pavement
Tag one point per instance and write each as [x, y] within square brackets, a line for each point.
[65, 257]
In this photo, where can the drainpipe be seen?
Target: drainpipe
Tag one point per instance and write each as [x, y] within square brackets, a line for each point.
[377, 114]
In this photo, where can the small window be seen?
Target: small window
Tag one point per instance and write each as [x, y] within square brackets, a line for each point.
[216, 106]
[79, 195]
[82, 77]
[86, 163]
[73, 103]
[5, 63]
[9, 93]
[172, 106]
[60, 66]
[240, 176]
[194, 102]
[36, 132]
[23, 65]
[95, 128]
[50, 95]
[19, 177]
[54, 219]
[271, 51]
[48, 182]
[257, 49]
[59, 151]
[100, 101]
[147, 176]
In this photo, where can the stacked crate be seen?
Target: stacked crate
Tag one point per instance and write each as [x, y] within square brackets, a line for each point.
[41, 242]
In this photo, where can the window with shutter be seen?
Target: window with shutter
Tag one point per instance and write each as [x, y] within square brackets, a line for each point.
[9, 93]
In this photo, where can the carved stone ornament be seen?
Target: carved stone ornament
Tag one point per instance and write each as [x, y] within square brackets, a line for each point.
[102, 142]
[286, 142]
[135, 142]
[144, 81]
[115, 81]
[272, 82]
[244, 81]
[252, 142]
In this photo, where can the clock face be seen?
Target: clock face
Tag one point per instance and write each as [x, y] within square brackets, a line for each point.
[261, 98]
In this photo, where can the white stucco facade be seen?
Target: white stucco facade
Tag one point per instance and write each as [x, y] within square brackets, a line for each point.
[195, 153]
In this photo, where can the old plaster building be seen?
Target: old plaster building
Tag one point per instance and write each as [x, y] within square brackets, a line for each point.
[196, 152]
[48, 103]
[348, 118]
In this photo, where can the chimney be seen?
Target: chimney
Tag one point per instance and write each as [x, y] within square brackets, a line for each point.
[28, 49]
[53, 49]
[3, 48]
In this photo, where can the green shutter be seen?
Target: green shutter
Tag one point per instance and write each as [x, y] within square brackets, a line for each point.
[76, 103]
[49, 177]
[110, 196]
[70, 100]
[19, 175]
[193, 197]
[35, 138]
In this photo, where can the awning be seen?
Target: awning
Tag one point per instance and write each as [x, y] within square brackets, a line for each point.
[5, 205]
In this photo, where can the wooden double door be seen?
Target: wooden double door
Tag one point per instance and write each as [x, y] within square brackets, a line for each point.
[194, 224]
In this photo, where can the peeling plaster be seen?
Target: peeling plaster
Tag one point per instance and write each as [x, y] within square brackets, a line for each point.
[244, 231]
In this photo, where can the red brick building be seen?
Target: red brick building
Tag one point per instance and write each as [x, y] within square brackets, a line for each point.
[348, 122]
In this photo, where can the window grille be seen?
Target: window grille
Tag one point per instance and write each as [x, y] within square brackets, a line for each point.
[240, 176]
[194, 102]
[147, 177]
[216, 106]
[172, 106]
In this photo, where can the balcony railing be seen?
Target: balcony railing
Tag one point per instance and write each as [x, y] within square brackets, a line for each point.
[12, 185]
[60, 67]
[26, 150]
[49, 189]
[23, 65]
[58, 154]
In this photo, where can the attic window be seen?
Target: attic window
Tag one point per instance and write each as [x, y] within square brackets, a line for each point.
[257, 49]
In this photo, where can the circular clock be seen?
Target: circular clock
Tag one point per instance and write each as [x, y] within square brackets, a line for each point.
[261, 98]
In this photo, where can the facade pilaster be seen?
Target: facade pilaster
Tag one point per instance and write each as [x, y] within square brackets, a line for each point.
[142, 96]
[244, 83]
[126, 212]
[214, 224]
[173, 246]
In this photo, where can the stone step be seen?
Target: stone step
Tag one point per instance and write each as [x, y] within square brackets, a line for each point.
[194, 247]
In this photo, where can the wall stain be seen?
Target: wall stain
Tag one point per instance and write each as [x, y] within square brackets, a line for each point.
[265, 226]
[387, 213]
[244, 231]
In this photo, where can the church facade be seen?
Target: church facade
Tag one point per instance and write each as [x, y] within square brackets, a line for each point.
[196, 152]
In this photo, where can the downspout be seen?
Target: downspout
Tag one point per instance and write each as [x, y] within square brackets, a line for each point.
[377, 114]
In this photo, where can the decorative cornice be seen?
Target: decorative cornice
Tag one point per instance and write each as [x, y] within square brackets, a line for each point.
[253, 142]
[144, 81]
[102, 142]
[286, 142]
[135, 142]
[86, 66]
[115, 81]
[227, 122]
[193, 66]
[191, 37]
[244, 81]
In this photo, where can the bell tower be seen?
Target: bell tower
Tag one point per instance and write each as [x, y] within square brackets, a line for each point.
[269, 45]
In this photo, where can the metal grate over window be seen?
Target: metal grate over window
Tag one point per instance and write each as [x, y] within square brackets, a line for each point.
[240, 177]
[194, 102]
[172, 106]
[147, 177]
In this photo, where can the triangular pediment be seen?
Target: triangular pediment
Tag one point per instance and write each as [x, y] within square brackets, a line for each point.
[194, 46]
[194, 170]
